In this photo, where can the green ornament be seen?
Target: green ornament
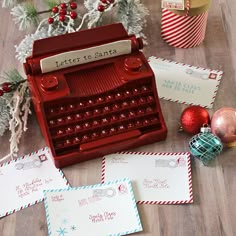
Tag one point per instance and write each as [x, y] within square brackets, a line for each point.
[205, 146]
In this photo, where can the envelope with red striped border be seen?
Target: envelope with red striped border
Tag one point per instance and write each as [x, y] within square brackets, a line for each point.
[157, 178]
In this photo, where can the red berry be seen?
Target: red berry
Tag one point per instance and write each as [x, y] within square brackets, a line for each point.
[63, 12]
[1, 92]
[73, 14]
[101, 8]
[50, 20]
[62, 18]
[6, 88]
[111, 1]
[63, 6]
[55, 9]
[73, 5]
[103, 1]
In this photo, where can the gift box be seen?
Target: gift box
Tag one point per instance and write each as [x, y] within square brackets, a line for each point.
[185, 28]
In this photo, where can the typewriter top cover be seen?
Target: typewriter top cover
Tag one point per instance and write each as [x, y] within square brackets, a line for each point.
[94, 93]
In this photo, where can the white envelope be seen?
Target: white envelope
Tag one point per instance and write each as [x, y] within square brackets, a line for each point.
[23, 180]
[102, 209]
[157, 178]
[178, 82]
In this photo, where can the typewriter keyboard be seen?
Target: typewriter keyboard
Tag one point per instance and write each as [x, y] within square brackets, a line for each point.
[75, 123]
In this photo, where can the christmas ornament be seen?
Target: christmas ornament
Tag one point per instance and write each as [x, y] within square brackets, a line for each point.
[223, 125]
[205, 146]
[193, 118]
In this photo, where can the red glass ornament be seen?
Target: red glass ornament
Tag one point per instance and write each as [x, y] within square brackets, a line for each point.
[63, 12]
[50, 20]
[6, 87]
[193, 118]
[73, 5]
[103, 1]
[55, 9]
[101, 8]
[63, 6]
[111, 1]
[62, 18]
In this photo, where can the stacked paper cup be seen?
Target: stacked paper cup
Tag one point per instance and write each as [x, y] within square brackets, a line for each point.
[185, 28]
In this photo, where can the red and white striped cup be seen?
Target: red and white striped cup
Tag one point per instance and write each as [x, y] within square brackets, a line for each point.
[183, 31]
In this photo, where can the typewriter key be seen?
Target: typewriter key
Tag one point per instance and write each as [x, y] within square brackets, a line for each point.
[138, 123]
[85, 138]
[94, 135]
[135, 91]
[100, 99]
[86, 125]
[150, 98]
[130, 126]
[104, 132]
[71, 107]
[78, 128]
[140, 112]
[69, 119]
[146, 122]
[124, 104]
[62, 109]
[104, 121]
[52, 122]
[115, 107]
[133, 102]
[60, 121]
[87, 114]
[122, 116]
[121, 127]
[96, 111]
[95, 123]
[80, 105]
[131, 114]
[90, 102]
[144, 88]
[118, 95]
[69, 130]
[127, 93]
[76, 140]
[112, 130]
[109, 98]
[114, 118]
[78, 116]
[141, 100]
[154, 119]
[149, 109]
[67, 142]
[106, 109]
[60, 132]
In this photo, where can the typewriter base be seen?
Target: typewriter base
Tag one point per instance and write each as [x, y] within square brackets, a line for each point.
[76, 157]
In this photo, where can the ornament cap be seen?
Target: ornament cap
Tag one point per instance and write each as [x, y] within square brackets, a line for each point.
[205, 128]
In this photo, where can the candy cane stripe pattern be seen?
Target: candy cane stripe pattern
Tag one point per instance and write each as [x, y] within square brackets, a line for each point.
[183, 31]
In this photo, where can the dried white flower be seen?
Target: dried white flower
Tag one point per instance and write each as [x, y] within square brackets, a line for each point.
[8, 3]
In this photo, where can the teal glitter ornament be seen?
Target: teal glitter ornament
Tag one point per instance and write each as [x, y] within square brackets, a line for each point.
[205, 146]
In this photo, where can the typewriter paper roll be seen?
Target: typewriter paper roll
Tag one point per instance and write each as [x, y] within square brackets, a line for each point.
[77, 57]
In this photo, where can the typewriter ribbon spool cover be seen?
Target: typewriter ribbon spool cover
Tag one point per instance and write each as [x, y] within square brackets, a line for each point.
[94, 93]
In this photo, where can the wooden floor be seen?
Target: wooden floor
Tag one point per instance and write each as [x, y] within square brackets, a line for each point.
[213, 212]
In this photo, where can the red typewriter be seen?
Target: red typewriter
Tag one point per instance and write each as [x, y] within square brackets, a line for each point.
[94, 93]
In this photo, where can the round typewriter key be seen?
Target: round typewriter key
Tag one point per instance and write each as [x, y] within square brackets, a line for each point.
[69, 130]
[104, 121]
[130, 125]
[131, 114]
[67, 142]
[106, 109]
[76, 140]
[141, 100]
[144, 88]
[122, 116]
[86, 125]
[109, 97]
[127, 93]
[104, 132]
[85, 138]
[90, 102]
[62, 109]
[150, 98]
[149, 109]
[52, 122]
[133, 64]
[52, 111]
[100, 99]
[138, 123]
[80, 104]
[95, 123]
[71, 107]
[115, 107]
[121, 127]
[60, 121]
[60, 132]
[112, 130]
[118, 95]
[140, 111]
[78, 128]
[133, 102]
[49, 82]
[125, 104]
[94, 135]
[135, 91]
[114, 118]
[69, 118]
[154, 119]
[96, 111]
[146, 122]
[87, 113]
[78, 116]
